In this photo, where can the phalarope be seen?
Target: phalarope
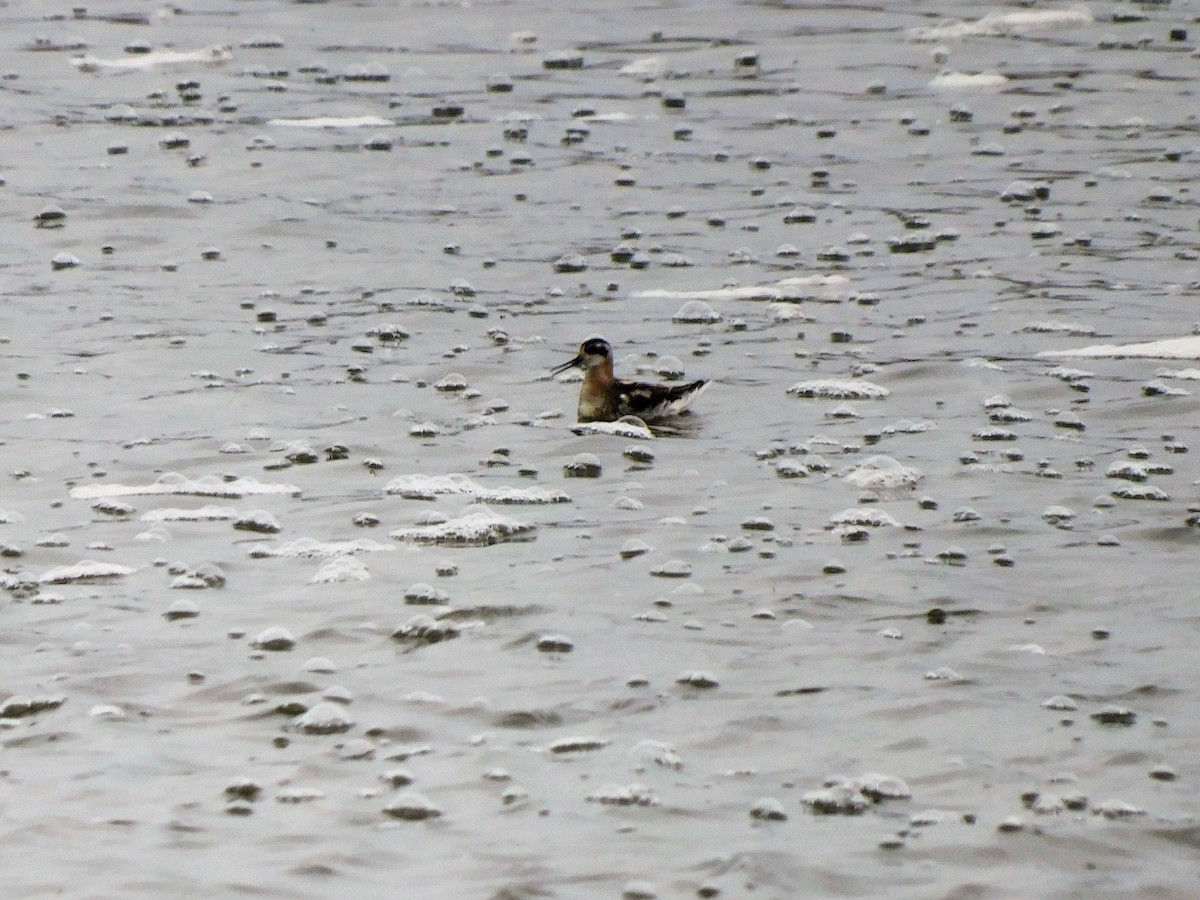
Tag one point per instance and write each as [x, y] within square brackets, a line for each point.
[606, 398]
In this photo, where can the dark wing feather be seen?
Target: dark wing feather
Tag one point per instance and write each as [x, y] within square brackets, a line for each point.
[636, 398]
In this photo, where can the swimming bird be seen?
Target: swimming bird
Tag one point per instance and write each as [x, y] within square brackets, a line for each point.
[606, 398]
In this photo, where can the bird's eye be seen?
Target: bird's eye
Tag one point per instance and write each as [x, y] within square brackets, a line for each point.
[595, 348]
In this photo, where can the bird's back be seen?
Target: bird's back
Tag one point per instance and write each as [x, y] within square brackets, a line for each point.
[655, 401]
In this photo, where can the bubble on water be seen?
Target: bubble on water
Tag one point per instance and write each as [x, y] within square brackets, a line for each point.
[927, 818]
[1009, 415]
[1069, 420]
[879, 787]
[477, 526]
[1043, 804]
[305, 548]
[864, 516]
[18, 706]
[337, 694]
[634, 547]
[626, 427]
[64, 260]
[962, 515]
[840, 799]
[1117, 809]
[451, 383]
[274, 638]
[1159, 389]
[1011, 825]
[555, 643]
[341, 569]
[673, 568]
[425, 430]
[299, 452]
[570, 262]
[952, 556]
[657, 753]
[209, 513]
[994, 434]
[639, 890]
[421, 594]
[243, 789]
[569, 746]
[84, 572]
[1114, 715]
[768, 809]
[1163, 772]
[624, 795]
[1032, 649]
[697, 679]
[108, 711]
[296, 795]
[696, 312]
[259, 521]
[583, 465]
[114, 508]
[843, 411]
[181, 609]
[1058, 515]
[833, 389]
[398, 778]
[1141, 492]
[356, 749]
[174, 483]
[50, 216]
[426, 487]
[322, 718]
[425, 630]
[881, 473]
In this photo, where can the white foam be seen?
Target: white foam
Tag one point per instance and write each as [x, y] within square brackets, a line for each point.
[625, 427]
[200, 514]
[967, 80]
[341, 569]
[214, 55]
[835, 389]
[796, 289]
[881, 473]
[174, 483]
[648, 67]
[1051, 326]
[1169, 348]
[334, 122]
[84, 570]
[998, 24]
[865, 516]
[308, 547]
[477, 526]
[1187, 374]
[426, 487]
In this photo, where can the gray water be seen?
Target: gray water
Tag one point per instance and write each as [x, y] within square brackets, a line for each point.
[925, 633]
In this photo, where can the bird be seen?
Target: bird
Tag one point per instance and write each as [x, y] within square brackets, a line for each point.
[606, 398]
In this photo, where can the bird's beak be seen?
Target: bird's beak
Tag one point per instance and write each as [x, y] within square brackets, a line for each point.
[558, 370]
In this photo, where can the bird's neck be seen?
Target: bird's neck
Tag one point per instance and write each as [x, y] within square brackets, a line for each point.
[601, 375]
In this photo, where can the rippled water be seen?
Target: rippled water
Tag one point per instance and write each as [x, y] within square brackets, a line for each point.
[313, 587]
